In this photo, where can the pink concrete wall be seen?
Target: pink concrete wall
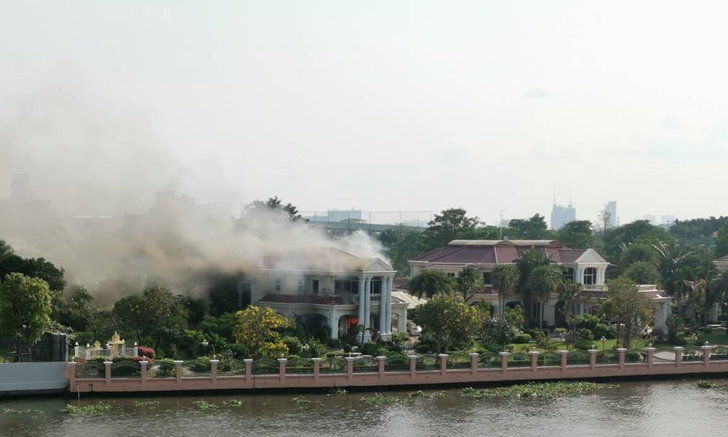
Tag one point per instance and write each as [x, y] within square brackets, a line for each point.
[399, 378]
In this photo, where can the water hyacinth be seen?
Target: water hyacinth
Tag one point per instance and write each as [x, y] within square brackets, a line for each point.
[204, 405]
[545, 390]
[87, 409]
[379, 399]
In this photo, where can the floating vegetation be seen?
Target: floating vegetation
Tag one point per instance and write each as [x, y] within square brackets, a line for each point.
[300, 400]
[87, 409]
[544, 390]
[338, 391]
[146, 403]
[379, 399]
[204, 405]
[421, 394]
[233, 403]
[705, 384]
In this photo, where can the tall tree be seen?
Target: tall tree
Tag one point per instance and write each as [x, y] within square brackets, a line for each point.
[570, 296]
[34, 267]
[505, 281]
[577, 235]
[643, 272]
[468, 282]
[25, 307]
[448, 321]
[429, 283]
[156, 315]
[721, 241]
[401, 244]
[450, 224]
[532, 228]
[628, 308]
[543, 281]
[526, 263]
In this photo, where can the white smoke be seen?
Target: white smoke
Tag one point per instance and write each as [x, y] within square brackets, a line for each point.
[102, 202]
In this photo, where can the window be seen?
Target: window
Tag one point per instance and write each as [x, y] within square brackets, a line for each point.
[450, 275]
[354, 285]
[315, 286]
[376, 286]
[590, 276]
[487, 278]
[278, 285]
[569, 274]
[299, 286]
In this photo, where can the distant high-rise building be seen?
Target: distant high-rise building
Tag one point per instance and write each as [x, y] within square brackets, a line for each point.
[561, 215]
[611, 209]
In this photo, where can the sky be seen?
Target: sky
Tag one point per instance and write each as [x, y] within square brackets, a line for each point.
[496, 107]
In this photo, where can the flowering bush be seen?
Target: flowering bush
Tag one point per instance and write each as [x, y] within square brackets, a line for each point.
[146, 351]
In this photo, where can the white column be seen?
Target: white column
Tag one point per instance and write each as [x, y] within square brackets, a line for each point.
[383, 306]
[368, 302]
[333, 326]
[578, 275]
[389, 304]
[362, 306]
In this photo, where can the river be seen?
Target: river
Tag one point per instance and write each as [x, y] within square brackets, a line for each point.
[651, 408]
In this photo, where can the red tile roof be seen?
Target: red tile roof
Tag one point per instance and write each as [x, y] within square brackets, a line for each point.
[504, 252]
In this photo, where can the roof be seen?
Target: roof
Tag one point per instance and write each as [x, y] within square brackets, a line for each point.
[723, 259]
[328, 259]
[410, 300]
[498, 252]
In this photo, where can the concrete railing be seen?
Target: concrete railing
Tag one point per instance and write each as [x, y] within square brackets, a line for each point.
[437, 371]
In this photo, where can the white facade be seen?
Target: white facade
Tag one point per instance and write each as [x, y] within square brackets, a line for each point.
[337, 290]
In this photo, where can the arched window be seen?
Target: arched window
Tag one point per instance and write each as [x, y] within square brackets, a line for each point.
[590, 276]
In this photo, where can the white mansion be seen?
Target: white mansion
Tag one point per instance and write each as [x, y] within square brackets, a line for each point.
[582, 266]
[328, 287]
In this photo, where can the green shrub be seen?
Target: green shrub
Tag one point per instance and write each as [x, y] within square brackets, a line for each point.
[200, 364]
[166, 367]
[294, 345]
[315, 349]
[522, 338]
[373, 349]
[580, 339]
[543, 341]
[602, 330]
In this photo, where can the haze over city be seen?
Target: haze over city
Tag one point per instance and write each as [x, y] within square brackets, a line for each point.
[422, 105]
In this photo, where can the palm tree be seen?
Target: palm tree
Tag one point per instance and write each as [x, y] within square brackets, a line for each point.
[431, 283]
[505, 280]
[528, 261]
[543, 281]
[570, 296]
[468, 282]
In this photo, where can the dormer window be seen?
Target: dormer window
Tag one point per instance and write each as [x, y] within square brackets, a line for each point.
[590, 276]
[278, 285]
[315, 286]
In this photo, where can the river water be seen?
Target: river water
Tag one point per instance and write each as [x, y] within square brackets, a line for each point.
[652, 408]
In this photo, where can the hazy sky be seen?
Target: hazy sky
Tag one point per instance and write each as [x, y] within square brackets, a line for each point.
[389, 105]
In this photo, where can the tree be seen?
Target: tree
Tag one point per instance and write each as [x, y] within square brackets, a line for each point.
[570, 296]
[448, 321]
[401, 244]
[33, 267]
[533, 228]
[505, 280]
[450, 224]
[468, 281]
[640, 231]
[605, 218]
[259, 328]
[497, 334]
[155, 315]
[577, 235]
[75, 310]
[25, 307]
[633, 253]
[643, 272]
[543, 281]
[430, 283]
[526, 263]
[628, 308]
[721, 241]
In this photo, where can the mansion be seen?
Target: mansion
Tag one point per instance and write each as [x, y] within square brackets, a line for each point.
[328, 288]
[582, 266]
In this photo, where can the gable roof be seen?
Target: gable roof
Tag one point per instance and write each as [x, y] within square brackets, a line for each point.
[499, 252]
[327, 259]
